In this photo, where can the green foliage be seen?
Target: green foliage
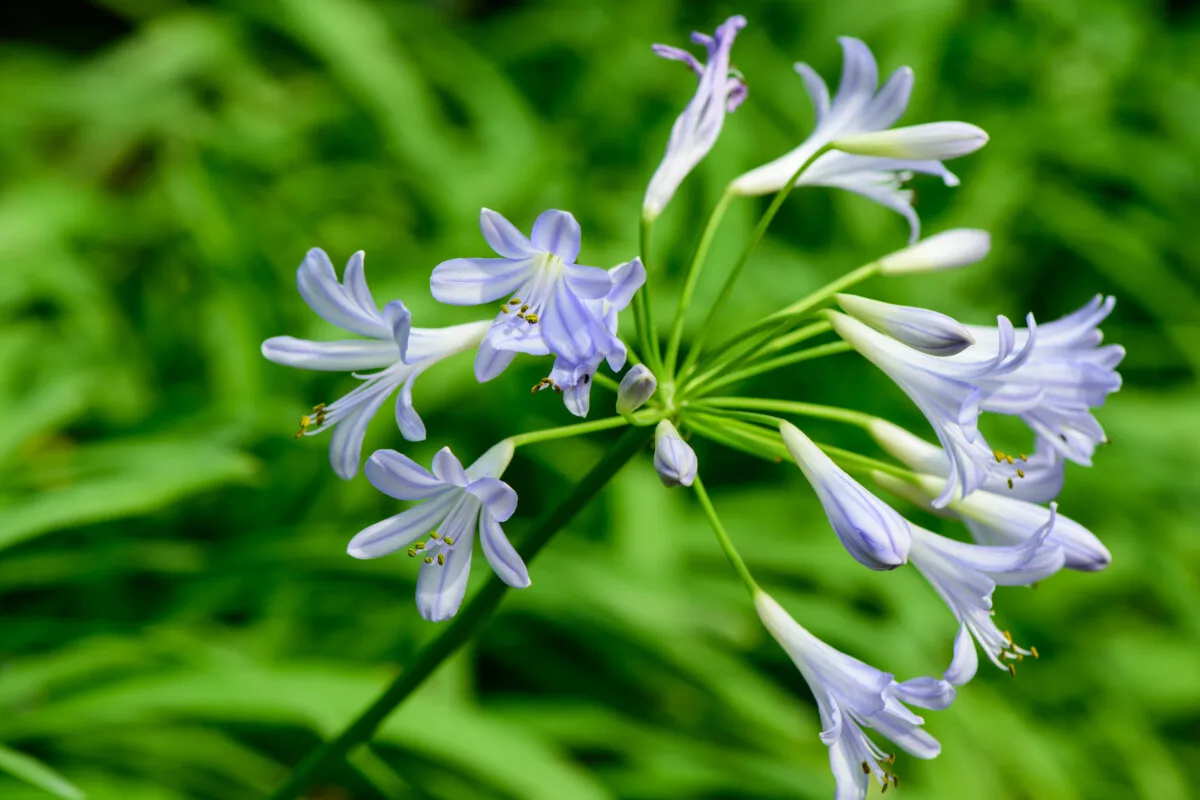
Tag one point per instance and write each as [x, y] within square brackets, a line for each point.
[181, 619]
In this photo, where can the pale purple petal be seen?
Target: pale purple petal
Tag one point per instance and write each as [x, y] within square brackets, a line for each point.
[498, 497]
[678, 54]
[441, 587]
[355, 281]
[318, 285]
[926, 692]
[350, 355]
[589, 283]
[557, 232]
[890, 103]
[491, 361]
[818, 92]
[627, 278]
[395, 533]
[345, 446]
[471, 281]
[407, 419]
[568, 327]
[965, 663]
[397, 317]
[860, 75]
[505, 561]
[503, 237]
[448, 468]
[398, 476]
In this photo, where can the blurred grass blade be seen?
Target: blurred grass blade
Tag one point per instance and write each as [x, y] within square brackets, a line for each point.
[38, 774]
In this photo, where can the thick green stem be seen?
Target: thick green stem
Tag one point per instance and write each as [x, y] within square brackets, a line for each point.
[332, 752]
[739, 265]
[833, 348]
[693, 276]
[726, 543]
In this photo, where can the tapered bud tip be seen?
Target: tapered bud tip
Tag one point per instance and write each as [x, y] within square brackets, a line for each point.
[919, 328]
[935, 141]
[638, 386]
[674, 459]
[951, 249]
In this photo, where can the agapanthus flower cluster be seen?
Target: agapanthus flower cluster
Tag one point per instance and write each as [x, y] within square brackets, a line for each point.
[541, 302]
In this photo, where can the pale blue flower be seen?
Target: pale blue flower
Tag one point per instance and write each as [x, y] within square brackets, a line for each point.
[574, 379]
[965, 576]
[696, 130]
[858, 107]
[454, 502]
[545, 292]
[870, 530]
[399, 351]
[674, 459]
[919, 328]
[852, 695]
[949, 391]
[638, 386]
[1070, 371]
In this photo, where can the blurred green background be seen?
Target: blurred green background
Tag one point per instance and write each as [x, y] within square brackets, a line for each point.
[179, 617]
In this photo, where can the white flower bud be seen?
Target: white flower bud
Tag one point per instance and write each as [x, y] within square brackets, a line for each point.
[919, 328]
[638, 386]
[951, 249]
[674, 459]
[936, 141]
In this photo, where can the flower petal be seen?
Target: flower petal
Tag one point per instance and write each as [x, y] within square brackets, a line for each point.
[557, 232]
[498, 497]
[966, 661]
[627, 278]
[889, 104]
[350, 355]
[447, 467]
[928, 693]
[590, 283]
[397, 317]
[404, 528]
[407, 419]
[318, 285]
[398, 476]
[345, 446]
[490, 361]
[818, 92]
[505, 561]
[503, 237]
[440, 587]
[471, 281]
[860, 75]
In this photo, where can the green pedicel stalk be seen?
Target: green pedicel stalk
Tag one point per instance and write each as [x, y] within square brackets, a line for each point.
[731, 552]
[334, 751]
[833, 348]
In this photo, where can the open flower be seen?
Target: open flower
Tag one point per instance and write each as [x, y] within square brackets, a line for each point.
[1072, 374]
[852, 695]
[859, 107]
[697, 128]
[574, 379]
[966, 575]
[949, 392]
[545, 292]
[454, 502]
[399, 351]
[870, 530]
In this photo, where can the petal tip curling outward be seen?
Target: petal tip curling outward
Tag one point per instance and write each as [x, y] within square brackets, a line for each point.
[696, 130]
[872, 532]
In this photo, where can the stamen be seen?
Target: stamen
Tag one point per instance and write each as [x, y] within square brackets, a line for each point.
[412, 553]
[999, 454]
[449, 541]
[516, 301]
[531, 319]
[1033, 651]
[524, 309]
[1008, 637]
[428, 560]
[504, 309]
[419, 546]
[305, 421]
[1012, 670]
[896, 781]
[1022, 457]
[586, 379]
[1020, 473]
[1010, 483]
[1009, 459]
[441, 559]
[866, 769]
[434, 535]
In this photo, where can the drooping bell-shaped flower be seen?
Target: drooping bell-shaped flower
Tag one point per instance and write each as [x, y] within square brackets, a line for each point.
[919, 328]
[399, 351]
[1072, 374]
[950, 249]
[454, 502]
[638, 386]
[721, 90]
[859, 107]
[574, 379]
[949, 392]
[965, 576]
[674, 459]
[545, 292]
[852, 695]
[870, 530]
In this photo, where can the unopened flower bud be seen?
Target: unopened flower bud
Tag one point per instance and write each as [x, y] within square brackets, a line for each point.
[870, 530]
[960, 247]
[919, 328]
[674, 459]
[933, 141]
[638, 386]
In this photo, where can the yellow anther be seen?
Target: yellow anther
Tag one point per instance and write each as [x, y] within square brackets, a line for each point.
[1023, 457]
[1020, 473]
[305, 421]
[896, 781]
[1012, 670]
[449, 541]
[999, 455]
[504, 309]
[319, 407]
[885, 786]
[866, 769]
[516, 301]
[1009, 459]
[1010, 483]
[412, 553]
[524, 309]
[1033, 652]
[434, 535]
[441, 559]
[531, 319]
[1008, 637]
[419, 545]
[428, 560]
[520, 315]
[891, 759]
